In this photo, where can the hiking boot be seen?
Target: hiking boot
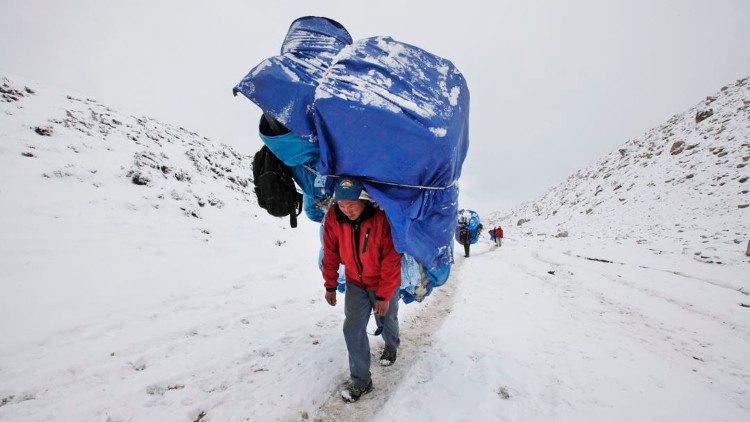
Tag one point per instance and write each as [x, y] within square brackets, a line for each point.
[350, 393]
[388, 357]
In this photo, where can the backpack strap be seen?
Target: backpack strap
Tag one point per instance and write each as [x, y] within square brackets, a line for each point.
[293, 215]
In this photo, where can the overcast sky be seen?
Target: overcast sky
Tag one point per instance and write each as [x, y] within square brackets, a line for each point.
[554, 84]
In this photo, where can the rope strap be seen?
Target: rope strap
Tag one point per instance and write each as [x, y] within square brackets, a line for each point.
[366, 179]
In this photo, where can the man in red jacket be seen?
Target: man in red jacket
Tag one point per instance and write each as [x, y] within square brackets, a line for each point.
[498, 231]
[358, 235]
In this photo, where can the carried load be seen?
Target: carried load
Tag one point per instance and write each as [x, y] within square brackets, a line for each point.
[389, 113]
[469, 221]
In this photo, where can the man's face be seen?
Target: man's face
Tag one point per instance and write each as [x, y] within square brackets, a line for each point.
[352, 209]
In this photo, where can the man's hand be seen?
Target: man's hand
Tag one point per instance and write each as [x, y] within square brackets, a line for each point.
[331, 298]
[381, 307]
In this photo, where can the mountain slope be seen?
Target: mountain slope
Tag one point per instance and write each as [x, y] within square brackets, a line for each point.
[684, 183]
[88, 190]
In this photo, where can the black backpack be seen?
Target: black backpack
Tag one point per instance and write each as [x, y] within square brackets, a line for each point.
[274, 186]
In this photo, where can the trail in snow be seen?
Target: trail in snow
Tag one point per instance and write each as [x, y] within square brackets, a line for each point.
[679, 273]
[664, 313]
[417, 331]
[536, 334]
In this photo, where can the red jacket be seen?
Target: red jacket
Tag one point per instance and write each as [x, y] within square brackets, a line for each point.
[370, 261]
[499, 232]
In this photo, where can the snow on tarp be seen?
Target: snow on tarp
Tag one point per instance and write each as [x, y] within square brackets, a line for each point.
[284, 85]
[391, 112]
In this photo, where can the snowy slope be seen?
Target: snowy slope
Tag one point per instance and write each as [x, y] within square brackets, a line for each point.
[685, 181]
[537, 333]
[86, 187]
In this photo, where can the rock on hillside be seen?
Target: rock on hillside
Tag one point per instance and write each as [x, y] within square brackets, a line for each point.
[684, 184]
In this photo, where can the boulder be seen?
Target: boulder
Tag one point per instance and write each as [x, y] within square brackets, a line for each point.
[43, 131]
[677, 147]
[702, 115]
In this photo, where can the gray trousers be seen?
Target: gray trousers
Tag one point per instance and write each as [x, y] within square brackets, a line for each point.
[358, 306]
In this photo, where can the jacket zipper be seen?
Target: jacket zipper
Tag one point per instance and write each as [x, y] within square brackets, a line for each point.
[367, 236]
[356, 252]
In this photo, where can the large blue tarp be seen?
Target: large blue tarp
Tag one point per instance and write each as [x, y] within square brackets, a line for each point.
[379, 109]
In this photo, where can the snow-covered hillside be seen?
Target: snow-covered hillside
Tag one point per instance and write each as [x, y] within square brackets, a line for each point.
[128, 247]
[88, 191]
[139, 281]
[685, 181]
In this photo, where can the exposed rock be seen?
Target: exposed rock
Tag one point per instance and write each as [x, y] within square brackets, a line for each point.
[6, 400]
[562, 233]
[139, 179]
[677, 147]
[182, 176]
[161, 389]
[9, 94]
[43, 131]
[522, 221]
[702, 115]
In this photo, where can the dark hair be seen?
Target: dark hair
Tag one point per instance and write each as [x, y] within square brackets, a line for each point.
[271, 127]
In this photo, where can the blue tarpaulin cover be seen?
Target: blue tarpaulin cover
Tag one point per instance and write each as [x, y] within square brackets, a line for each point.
[385, 111]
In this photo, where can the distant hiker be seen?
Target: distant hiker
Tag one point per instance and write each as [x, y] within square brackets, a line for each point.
[358, 235]
[468, 229]
[464, 237]
[497, 235]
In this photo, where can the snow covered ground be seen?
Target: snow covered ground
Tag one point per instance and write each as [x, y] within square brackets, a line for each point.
[139, 282]
[539, 332]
